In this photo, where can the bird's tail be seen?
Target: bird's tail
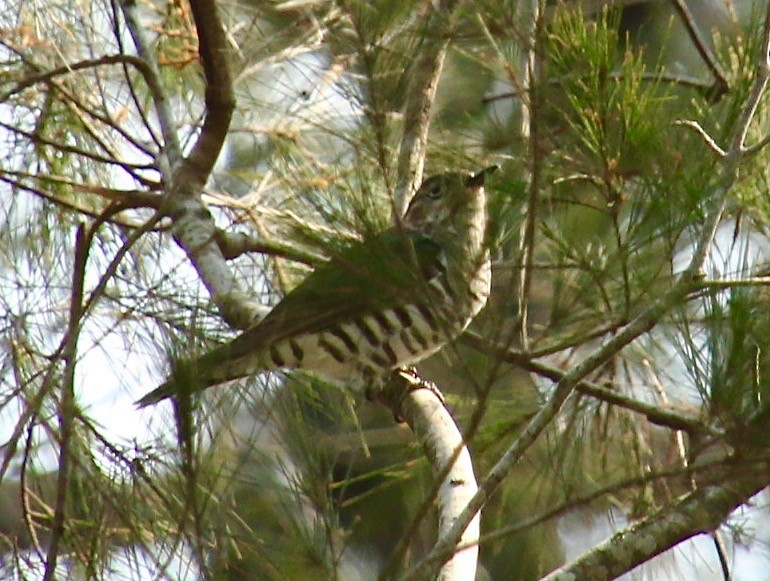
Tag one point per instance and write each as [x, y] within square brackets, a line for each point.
[185, 379]
[157, 395]
[193, 375]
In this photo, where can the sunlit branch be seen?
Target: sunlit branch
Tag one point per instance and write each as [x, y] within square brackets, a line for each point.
[707, 139]
[419, 404]
[234, 244]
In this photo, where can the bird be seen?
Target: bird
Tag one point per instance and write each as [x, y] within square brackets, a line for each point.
[381, 304]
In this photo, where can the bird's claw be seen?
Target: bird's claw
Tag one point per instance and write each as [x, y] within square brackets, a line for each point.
[401, 383]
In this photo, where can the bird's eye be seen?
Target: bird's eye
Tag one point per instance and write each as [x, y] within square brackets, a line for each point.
[434, 192]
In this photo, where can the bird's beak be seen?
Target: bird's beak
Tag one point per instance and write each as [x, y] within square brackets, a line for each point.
[477, 179]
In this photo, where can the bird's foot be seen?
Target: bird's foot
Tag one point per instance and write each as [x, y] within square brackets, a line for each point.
[399, 385]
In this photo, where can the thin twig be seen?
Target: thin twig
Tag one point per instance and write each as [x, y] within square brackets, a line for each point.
[727, 283]
[757, 147]
[721, 549]
[112, 267]
[64, 203]
[662, 416]
[117, 32]
[129, 168]
[127, 198]
[701, 44]
[24, 492]
[67, 401]
[707, 139]
[151, 74]
[703, 87]
[530, 132]
[27, 417]
[69, 68]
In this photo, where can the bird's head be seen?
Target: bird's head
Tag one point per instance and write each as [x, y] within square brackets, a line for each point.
[445, 203]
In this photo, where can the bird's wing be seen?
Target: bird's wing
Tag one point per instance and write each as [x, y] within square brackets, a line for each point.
[369, 276]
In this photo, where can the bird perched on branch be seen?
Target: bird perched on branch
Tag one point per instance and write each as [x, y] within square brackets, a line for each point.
[383, 303]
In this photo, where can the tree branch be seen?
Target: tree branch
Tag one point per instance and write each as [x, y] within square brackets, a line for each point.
[219, 98]
[531, 69]
[419, 100]
[697, 512]
[422, 407]
[172, 152]
[234, 244]
[721, 85]
[67, 400]
[662, 416]
[193, 226]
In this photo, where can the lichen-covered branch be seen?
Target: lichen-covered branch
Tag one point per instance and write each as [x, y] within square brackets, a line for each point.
[697, 512]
